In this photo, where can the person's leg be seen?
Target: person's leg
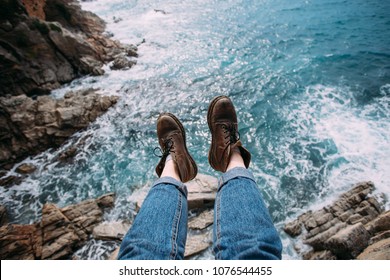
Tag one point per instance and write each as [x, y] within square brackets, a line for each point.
[159, 230]
[243, 228]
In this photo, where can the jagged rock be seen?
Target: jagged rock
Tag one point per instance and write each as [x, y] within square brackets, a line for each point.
[59, 234]
[202, 221]
[293, 228]
[111, 231]
[197, 243]
[31, 126]
[381, 223]
[10, 181]
[354, 219]
[6, 26]
[29, 62]
[201, 200]
[68, 155]
[318, 242]
[68, 228]
[84, 216]
[376, 251]
[76, 20]
[202, 191]
[70, 15]
[310, 224]
[116, 19]
[203, 183]
[70, 152]
[25, 168]
[44, 44]
[339, 226]
[321, 217]
[106, 201]
[375, 204]
[349, 242]
[380, 236]
[35, 8]
[323, 228]
[121, 62]
[132, 51]
[79, 53]
[20, 242]
[367, 210]
[320, 255]
[3, 215]
[346, 215]
[361, 189]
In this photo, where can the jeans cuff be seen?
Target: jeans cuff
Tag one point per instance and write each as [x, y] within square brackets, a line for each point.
[172, 181]
[234, 173]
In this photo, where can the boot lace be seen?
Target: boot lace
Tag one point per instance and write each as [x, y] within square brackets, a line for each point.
[166, 149]
[231, 133]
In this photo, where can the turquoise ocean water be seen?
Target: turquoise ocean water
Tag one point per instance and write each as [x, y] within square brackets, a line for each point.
[310, 81]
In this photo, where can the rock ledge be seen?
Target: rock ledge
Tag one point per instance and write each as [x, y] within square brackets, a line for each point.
[344, 229]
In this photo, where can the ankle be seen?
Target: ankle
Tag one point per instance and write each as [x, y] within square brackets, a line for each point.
[236, 159]
[170, 169]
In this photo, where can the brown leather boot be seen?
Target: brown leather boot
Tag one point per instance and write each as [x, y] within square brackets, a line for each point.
[222, 121]
[172, 140]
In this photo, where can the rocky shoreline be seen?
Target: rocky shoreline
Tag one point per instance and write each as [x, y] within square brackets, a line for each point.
[355, 226]
[47, 43]
[44, 44]
[58, 235]
[61, 232]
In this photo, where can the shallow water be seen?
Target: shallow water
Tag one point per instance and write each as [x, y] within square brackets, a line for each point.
[310, 81]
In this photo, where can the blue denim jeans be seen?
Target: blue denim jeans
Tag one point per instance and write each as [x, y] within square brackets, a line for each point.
[243, 228]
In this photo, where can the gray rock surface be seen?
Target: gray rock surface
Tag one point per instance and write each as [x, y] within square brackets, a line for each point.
[343, 229]
[31, 126]
[111, 230]
[201, 192]
[201, 221]
[349, 242]
[122, 62]
[25, 168]
[46, 43]
[197, 243]
[377, 251]
[381, 223]
[58, 235]
[20, 242]
[3, 215]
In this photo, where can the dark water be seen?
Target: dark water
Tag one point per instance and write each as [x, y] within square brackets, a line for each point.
[310, 81]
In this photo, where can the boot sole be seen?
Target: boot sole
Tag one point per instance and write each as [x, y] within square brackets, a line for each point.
[185, 145]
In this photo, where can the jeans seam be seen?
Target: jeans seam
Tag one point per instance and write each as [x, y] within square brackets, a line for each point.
[218, 221]
[237, 172]
[175, 228]
[169, 180]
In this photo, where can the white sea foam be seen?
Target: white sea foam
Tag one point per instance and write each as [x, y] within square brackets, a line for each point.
[360, 135]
